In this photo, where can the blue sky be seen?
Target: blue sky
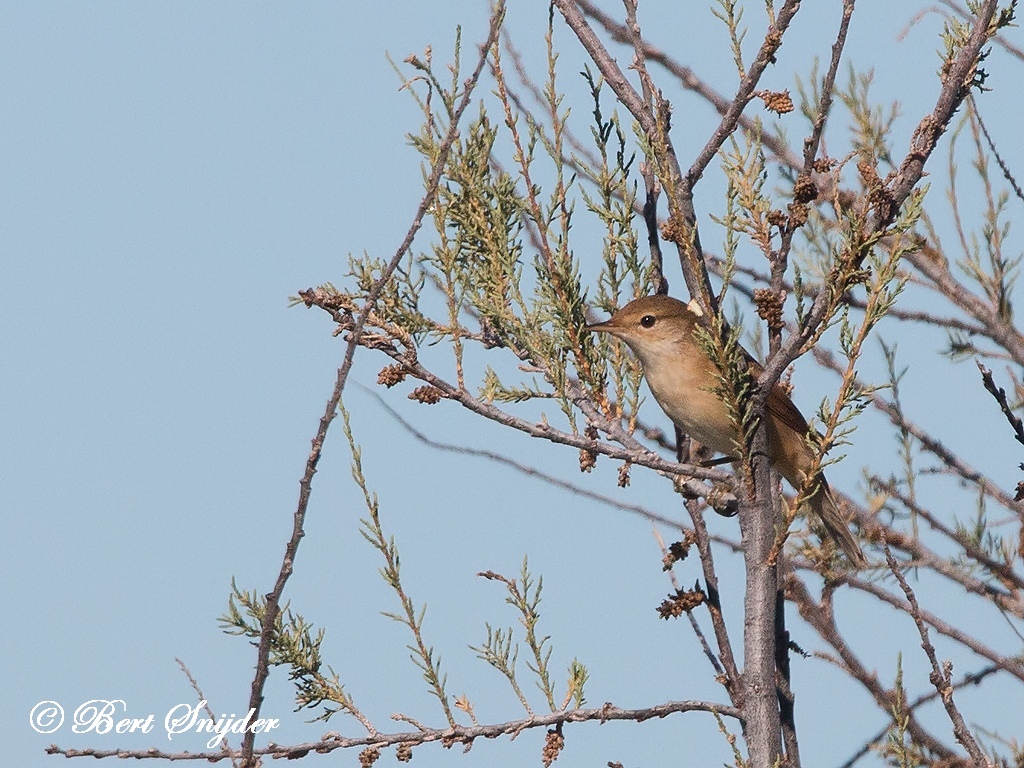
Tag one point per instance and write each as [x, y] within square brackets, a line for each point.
[170, 173]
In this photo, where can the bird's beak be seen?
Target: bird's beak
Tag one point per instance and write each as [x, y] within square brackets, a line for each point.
[607, 326]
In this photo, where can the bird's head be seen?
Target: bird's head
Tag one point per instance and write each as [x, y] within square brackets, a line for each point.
[653, 327]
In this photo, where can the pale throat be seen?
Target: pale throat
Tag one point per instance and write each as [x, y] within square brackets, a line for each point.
[684, 390]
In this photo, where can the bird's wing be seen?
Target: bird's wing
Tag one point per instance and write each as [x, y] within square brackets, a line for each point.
[778, 404]
[781, 407]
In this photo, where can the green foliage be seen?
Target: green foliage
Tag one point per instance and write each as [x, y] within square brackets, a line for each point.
[984, 261]
[731, 14]
[872, 125]
[907, 442]
[501, 651]
[293, 645]
[901, 751]
[957, 32]
[624, 274]
[422, 655]
[500, 261]
[503, 284]
[748, 206]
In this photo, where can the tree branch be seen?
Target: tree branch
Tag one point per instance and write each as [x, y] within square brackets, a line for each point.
[459, 734]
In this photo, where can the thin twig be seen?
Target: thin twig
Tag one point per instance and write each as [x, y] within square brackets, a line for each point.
[680, 198]
[1000, 395]
[935, 268]
[1000, 39]
[928, 442]
[941, 676]
[1000, 569]
[811, 146]
[958, 79]
[702, 540]
[525, 469]
[995, 152]
[821, 617]
[1008, 664]
[201, 697]
[693, 478]
[787, 698]
[972, 678]
[688, 79]
[745, 92]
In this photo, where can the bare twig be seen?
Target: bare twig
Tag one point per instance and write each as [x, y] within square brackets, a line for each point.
[1006, 663]
[928, 442]
[995, 152]
[632, 450]
[687, 78]
[1000, 395]
[745, 92]
[941, 676]
[702, 541]
[787, 698]
[525, 469]
[653, 125]
[972, 678]
[1000, 39]
[811, 146]
[957, 82]
[1000, 569]
[202, 698]
[821, 617]
[931, 265]
[652, 186]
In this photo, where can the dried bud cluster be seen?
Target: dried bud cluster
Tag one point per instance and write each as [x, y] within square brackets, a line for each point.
[368, 757]
[777, 218]
[824, 164]
[878, 193]
[683, 601]
[427, 395]
[553, 744]
[391, 375]
[677, 551]
[769, 306]
[328, 300]
[805, 191]
[624, 475]
[588, 460]
[673, 230]
[779, 102]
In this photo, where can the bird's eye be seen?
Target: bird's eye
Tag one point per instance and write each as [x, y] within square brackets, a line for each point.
[647, 321]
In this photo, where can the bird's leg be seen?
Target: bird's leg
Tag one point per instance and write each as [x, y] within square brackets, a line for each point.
[707, 464]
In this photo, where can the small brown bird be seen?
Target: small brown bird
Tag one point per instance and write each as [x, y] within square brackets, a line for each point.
[661, 331]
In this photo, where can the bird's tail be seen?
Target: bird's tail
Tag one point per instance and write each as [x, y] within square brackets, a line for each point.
[823, 505]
